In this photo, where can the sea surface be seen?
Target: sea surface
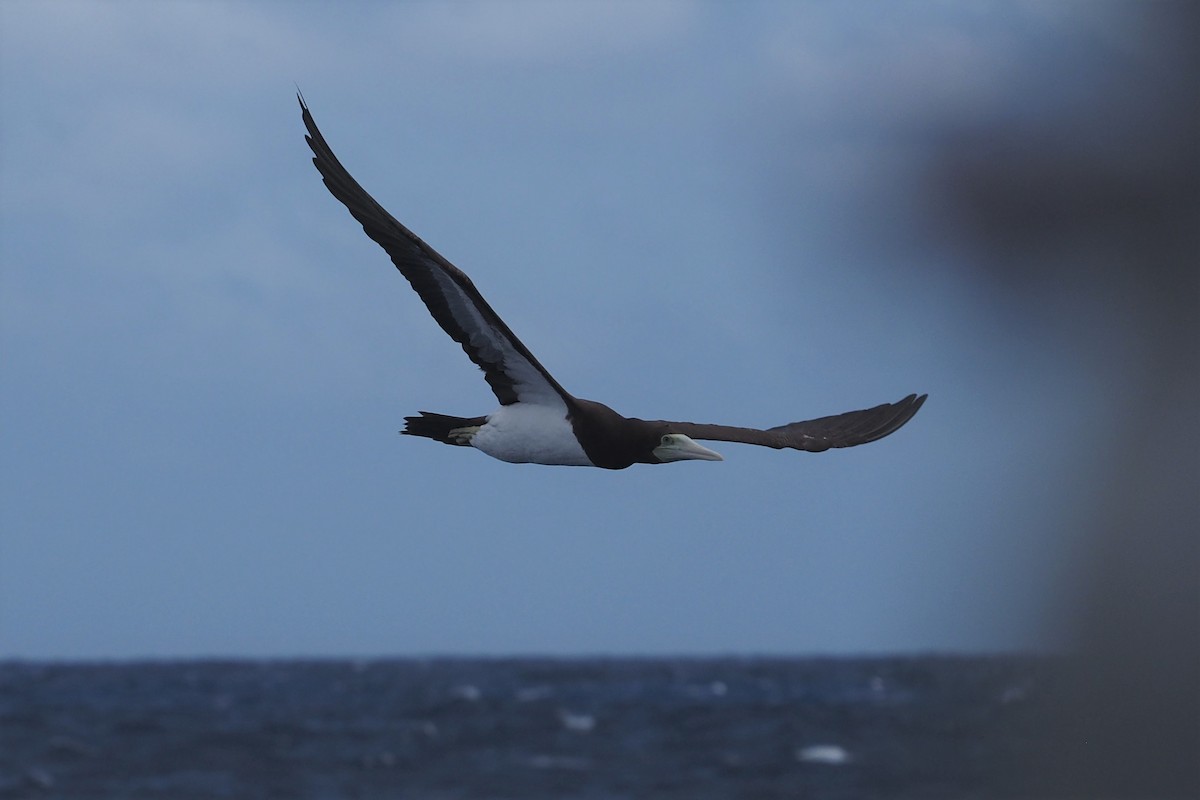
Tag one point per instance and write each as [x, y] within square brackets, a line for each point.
[521, 728]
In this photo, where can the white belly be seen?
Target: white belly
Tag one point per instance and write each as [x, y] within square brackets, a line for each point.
[530, 434]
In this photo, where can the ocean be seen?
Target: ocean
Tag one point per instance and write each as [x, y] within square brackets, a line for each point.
[442, 729]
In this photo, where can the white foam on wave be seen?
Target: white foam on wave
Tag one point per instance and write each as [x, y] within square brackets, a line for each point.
[823, 754]
[467, 692]
[529, 694]
[578, 723]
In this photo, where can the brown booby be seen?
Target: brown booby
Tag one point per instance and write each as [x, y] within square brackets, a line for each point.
[538, 421]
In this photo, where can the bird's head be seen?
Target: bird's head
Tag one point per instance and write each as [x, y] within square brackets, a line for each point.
[677, 447]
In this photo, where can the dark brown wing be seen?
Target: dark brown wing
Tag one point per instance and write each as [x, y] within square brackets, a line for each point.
[510, 369]
[814, 435]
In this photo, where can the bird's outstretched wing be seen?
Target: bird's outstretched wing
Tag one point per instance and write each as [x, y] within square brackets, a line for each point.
[814, 435]
[508, 366]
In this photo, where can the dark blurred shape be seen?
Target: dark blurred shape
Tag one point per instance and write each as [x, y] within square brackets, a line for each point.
[1089, 216]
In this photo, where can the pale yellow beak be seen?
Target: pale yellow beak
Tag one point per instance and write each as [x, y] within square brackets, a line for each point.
[677, 447]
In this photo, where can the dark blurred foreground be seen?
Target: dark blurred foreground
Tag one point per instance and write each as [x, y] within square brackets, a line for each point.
[694, 729]
[1085, 220]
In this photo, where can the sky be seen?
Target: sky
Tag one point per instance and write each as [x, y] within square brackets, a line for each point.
[714, 212]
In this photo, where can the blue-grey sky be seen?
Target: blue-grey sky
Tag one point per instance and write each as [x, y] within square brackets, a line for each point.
[717, 212]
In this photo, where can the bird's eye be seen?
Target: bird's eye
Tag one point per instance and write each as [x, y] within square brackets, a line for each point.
[666, 438]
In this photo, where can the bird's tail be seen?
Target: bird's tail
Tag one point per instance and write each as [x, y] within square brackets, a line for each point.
[439, 426]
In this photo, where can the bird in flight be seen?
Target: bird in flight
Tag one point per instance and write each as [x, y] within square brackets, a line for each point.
[538, 421]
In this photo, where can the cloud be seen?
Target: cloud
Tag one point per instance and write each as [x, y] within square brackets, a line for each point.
[178, 48]
[541, 31]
